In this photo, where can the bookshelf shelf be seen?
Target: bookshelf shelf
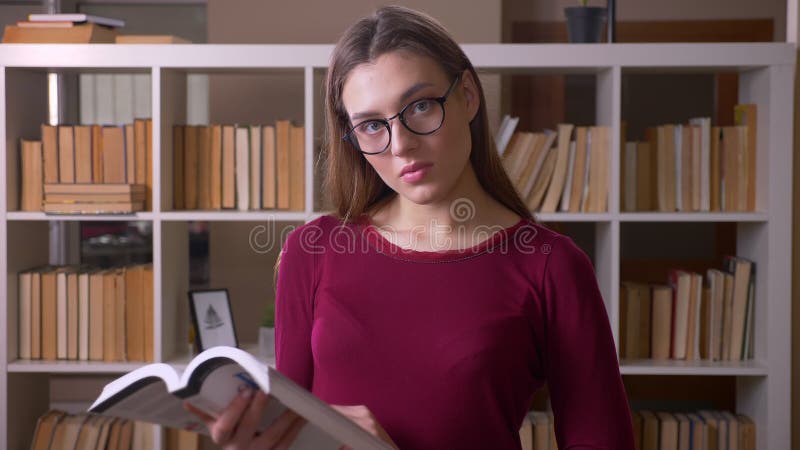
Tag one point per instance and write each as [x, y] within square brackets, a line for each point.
[706, 368]
[19, 216]
[766, 78]
[70, 367]
[573, 217]
[693, 217]
[231, 216]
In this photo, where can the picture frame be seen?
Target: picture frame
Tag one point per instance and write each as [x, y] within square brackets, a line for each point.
[212, 318]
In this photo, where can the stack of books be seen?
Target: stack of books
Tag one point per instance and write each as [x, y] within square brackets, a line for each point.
[93, 198]
[97, 160]
[63, 28]
[688, 319]
[85, 314]
[693, 166]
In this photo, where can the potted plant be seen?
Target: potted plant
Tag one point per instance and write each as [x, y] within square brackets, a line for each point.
[266, 333]
[585, 23]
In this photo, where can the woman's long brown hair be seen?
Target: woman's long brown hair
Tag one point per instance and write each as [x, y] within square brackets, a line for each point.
[351, 184]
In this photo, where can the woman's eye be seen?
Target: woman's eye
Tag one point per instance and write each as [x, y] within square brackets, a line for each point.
[371, 127]
[421, 106]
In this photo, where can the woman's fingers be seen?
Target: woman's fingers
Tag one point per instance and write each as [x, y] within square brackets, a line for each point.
[223, 428]
[275, 431]
[250, 419]
[291, 434]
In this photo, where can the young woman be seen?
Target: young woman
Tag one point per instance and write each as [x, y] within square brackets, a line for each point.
[431, 303]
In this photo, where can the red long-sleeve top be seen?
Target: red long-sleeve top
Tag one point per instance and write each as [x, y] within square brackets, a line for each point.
[446, 348]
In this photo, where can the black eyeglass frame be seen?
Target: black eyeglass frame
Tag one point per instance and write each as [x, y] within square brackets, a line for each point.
[401, 115]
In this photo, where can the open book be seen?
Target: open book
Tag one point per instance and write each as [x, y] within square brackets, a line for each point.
[155, 393]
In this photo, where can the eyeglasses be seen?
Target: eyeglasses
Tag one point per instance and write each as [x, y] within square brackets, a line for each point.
[423, 116]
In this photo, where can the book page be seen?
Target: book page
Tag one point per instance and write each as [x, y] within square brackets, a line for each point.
[152, 403]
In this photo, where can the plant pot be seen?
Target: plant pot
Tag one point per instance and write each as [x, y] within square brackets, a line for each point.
[585, 23]
[266, 342]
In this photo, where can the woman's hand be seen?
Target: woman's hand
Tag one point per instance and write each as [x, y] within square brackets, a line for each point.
[366, 420]
[235, 428]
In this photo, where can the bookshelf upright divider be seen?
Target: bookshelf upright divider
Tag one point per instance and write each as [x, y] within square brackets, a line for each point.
[766, 77]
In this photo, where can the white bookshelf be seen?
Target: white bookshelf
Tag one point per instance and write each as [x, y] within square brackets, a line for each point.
[766, 77]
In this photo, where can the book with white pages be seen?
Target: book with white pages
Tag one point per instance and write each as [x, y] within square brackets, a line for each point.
[242, 167]
[505, 132]
[500, 130]
[705, 160]
[83, 316]
[588, 164]
[78, 18]
[155, 393]
[678, 141]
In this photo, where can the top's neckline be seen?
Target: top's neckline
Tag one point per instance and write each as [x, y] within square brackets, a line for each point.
[387, 247]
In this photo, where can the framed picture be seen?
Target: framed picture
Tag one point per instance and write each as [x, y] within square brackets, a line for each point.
[212, 318]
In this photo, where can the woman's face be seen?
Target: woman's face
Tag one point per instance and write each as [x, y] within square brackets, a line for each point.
[381, 89]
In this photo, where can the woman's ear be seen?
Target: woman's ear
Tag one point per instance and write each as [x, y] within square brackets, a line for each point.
[472, 96]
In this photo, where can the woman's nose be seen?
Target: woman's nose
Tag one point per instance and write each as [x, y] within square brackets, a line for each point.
[403, 139]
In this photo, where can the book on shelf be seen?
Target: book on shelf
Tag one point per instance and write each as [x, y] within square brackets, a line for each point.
[282, 157]
[76, 18]
[696, 429]
[54, 24]
[79, 313]
[507, 126]
[695, 317]
[92, 200]
[244, 167]
[746, 116]
[538, 431]
[31, 196]
[84, 33]
[692, 166]
[572, 176]
[94, 208]
[210, 382]
[150, 39]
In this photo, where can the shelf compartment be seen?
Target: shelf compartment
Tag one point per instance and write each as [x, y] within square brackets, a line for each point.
[118, 96]
[261, 97]
[237, 255]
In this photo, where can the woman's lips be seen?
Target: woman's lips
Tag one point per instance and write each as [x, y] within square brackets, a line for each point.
[415, 176]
